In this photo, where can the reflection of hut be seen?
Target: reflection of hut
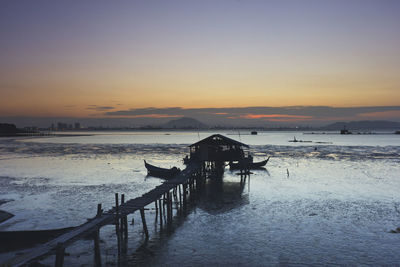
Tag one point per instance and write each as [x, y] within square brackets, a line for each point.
[218, 148]
[221, 196]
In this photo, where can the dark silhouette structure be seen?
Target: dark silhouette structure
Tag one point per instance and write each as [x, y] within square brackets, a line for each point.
[218, 148]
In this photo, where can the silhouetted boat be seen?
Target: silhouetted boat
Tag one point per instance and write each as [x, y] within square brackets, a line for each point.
[300, 141]
[161, 172]
[248, 165]
[14, 240]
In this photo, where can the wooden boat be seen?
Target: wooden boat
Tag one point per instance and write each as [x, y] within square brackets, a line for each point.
[248, 165]
[15, 240]
[161, 172]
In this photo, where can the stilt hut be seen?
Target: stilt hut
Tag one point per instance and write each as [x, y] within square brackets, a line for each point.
[218, 148]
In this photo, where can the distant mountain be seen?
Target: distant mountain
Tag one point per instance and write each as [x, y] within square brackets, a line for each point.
[184, 123]
[362, 125]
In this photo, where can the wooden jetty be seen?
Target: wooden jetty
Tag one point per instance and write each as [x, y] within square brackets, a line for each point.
[183, 184]
[206, 156]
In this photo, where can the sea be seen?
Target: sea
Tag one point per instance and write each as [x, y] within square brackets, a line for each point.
[328, 199]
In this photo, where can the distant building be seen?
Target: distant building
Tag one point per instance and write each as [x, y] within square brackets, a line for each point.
[31, 129]
[62, 126]
[77, 125]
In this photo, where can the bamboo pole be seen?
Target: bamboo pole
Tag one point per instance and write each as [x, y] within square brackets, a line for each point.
[161, 219]
[184, 197]
[146, 232]
[99, 210]
[97, 255]
[122, 221]
[180, 197]
[170, 207]
[60, 255]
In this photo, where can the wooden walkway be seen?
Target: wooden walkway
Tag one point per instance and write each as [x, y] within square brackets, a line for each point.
[58, 244]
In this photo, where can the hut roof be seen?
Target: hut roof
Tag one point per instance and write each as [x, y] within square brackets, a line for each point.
[218, 140]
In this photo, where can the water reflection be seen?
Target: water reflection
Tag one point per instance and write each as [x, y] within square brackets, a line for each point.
[215, 197]
[220, 196]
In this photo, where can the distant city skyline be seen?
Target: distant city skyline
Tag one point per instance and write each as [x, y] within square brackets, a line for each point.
[113, 60]
[292, 116]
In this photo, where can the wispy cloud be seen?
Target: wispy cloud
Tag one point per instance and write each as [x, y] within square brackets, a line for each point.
[100, 108]
[271, 116]
[156, 116]
[382, 114]
[252, 115]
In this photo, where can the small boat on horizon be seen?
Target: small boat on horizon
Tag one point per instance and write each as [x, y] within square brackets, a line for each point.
[300, 141]
[161, 172]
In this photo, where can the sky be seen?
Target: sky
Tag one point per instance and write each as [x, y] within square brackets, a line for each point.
[108, 59]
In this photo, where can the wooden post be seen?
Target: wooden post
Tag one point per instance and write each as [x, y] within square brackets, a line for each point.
[155, 204]
[161, 219]
[180, 196]
[59, 255]
[97, 255]
[99, 210]
[170, 208]
[144, 223]
[248, 187]
[163, 202]
[116, 214]
[122, 221]
[117, 230]
[184, 197]
[116, 205]
[126, 226]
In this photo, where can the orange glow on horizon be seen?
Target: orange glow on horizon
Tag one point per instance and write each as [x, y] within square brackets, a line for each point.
[263, 116]
[154, 116]
[382, 114]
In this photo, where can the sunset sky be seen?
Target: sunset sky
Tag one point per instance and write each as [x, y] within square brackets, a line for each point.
[108, 58]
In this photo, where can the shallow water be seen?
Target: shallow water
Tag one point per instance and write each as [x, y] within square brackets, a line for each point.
[337, 205]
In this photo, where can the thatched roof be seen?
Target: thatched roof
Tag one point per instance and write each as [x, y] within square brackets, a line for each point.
[218, 140]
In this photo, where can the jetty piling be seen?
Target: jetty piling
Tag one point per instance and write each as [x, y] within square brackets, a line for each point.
[60, 252]
[97, 254]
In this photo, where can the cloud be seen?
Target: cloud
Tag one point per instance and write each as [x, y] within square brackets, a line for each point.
[156, 116]
[382, 114]
[146, 111]
[100, 108]
[261, 115]
[271, 116]
[309, 111]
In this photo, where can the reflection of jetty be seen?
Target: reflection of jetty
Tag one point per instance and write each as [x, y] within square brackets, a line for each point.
[207, 160]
